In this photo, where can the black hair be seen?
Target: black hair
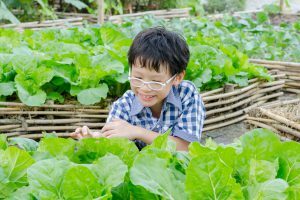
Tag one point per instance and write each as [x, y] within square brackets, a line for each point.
[157, 46]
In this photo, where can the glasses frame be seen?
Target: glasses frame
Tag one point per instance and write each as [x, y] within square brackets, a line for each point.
[163, 84]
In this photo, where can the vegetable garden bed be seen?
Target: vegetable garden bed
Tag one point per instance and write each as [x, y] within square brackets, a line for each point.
[227, 105]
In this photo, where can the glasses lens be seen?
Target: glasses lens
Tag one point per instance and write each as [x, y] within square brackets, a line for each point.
[155, 86]
[136, 82]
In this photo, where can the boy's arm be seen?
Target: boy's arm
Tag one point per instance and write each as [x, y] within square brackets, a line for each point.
[121, 128]
[148, 136]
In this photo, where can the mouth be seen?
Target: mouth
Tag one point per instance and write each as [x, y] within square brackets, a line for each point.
[146, 97]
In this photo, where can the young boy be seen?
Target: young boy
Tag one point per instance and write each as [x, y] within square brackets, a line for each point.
[159, 99]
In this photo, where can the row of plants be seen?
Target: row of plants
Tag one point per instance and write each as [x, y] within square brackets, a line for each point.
[256, 166]
[82, 62]
[16, 11]
[92, 61]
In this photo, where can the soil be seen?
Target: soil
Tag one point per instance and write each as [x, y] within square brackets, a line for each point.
[226, 135]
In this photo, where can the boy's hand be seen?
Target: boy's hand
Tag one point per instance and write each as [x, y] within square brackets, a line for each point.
[84, 132]
[120, 128]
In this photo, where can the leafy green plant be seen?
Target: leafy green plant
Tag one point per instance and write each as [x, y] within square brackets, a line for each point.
[256, 166]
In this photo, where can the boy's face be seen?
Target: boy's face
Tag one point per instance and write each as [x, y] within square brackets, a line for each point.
[148, 97]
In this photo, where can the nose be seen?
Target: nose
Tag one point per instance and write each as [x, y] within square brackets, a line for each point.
[145, 87]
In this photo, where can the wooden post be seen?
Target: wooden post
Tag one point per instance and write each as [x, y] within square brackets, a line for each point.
[100, 17]
[281, 5]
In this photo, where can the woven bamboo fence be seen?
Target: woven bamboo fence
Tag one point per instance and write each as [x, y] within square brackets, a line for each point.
[230, 105]
[164, 14]
[281, 117]
[290, 69]
[59, 23]
[224, 106]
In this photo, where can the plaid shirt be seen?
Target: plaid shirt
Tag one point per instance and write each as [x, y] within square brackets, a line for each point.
[183, 111]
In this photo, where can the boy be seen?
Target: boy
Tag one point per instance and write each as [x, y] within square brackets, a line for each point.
[159, 99]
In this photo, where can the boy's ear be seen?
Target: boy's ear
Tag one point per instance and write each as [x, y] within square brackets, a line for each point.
[179, 78]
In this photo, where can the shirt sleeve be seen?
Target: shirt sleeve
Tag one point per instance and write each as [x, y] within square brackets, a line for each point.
[189, 124]
[120, 109]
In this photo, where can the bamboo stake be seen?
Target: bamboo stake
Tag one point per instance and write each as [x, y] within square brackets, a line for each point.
[228, 101]
[278, 94]
[38, 136]
[59, 121]
[270, 89]
[208, 113]
[223, 117]
[289, 64]
[293, 90]
[283, 120]
[281, 103]
[211, 92]
[46, 128]
[212, 127]
[280, 82]
[100, 17]
[51, 106]
[6, 127]
[46, 113]
[261, 125]
[287, 130]
[231, 93]
[261, 119]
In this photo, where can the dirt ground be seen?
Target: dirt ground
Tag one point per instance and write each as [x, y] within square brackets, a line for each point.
[226, 134]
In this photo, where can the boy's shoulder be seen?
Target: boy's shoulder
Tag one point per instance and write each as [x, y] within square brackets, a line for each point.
[187, 89]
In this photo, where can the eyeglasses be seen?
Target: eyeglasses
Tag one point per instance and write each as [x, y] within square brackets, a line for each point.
[153, 85]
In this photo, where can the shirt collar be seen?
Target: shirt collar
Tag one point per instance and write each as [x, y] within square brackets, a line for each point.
[172, 98]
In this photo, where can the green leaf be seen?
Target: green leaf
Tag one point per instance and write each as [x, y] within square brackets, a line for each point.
[7, 89]
[91, 149]
[78, 4]
[289, 169]
[58, 146]
[45, 178]
[208, 177]
[272, 189]
[153, 174]
[23, 193]
[15, 162]
[92, 95]
[6, 14]
[3, 142]
[29, 99]
[104, 167]
[80, 183]
[261, 171]
[24, 143]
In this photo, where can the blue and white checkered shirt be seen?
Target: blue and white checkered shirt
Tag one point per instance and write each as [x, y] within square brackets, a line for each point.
[183, 111]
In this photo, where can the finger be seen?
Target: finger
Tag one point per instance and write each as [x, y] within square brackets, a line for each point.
[96, 134]
[78, 130]
[107, 127]
[107, 133]
[85, 131]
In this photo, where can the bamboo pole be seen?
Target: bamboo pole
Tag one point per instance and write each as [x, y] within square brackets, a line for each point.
[281, 103]
[212, 127]
[289, 64]
[6, 127]
[38, 136]
[236, 92]
[223, 117]
[259, 119]
[100, 16]
[278, 94]
[228, 101]
[208, 113]
[59, 121]
[262, 125]
[283, 120]
[231, 100]
[287, 130]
